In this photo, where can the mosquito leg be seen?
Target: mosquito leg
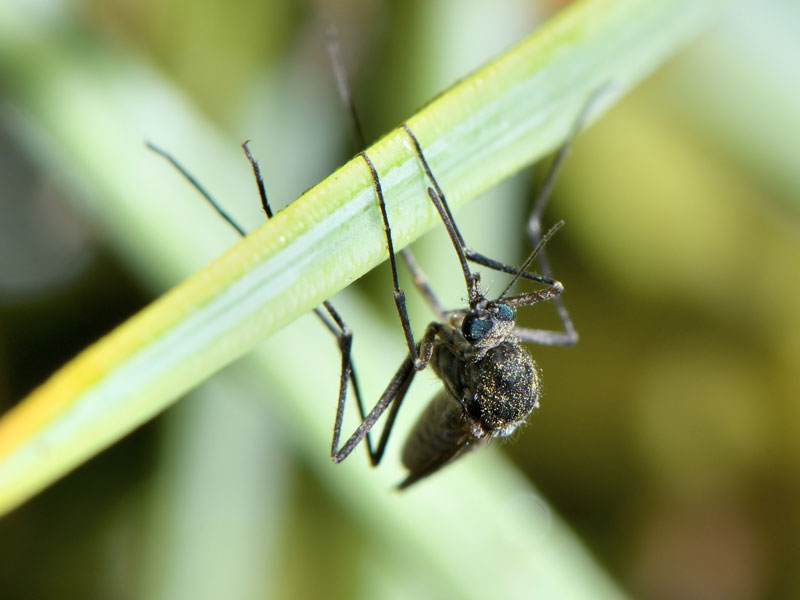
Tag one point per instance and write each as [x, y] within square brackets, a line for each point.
[425, 351]
[399, 295]
[496, 265]
[569, 335]
[397, 389]
[343, 85]
[344, 337]
[397, 386]
[401, 385]
[262, 192]
[196, 185]
[440, 202]
[390, 419]
[429, 173]
[542, 337]
[394, 393]
[345, 93]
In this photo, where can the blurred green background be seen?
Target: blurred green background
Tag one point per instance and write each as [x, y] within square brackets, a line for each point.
[669, 438]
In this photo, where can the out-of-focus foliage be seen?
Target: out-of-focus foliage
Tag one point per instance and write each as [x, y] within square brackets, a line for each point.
[668, 438]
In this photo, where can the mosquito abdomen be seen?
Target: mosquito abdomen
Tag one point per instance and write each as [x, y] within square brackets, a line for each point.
[442, 433]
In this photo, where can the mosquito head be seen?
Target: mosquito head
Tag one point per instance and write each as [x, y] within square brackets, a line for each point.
[488, 323]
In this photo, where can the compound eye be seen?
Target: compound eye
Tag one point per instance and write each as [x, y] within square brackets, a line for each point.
[505, 312]
[475, 329]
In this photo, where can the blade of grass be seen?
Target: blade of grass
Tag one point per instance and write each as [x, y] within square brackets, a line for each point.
[489, 125]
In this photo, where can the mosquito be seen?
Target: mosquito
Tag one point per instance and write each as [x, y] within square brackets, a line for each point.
[491, 384]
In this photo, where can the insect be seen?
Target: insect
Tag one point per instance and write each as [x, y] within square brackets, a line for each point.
[491, 384]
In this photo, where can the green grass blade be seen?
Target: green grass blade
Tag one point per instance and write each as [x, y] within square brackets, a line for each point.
[506, 115]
